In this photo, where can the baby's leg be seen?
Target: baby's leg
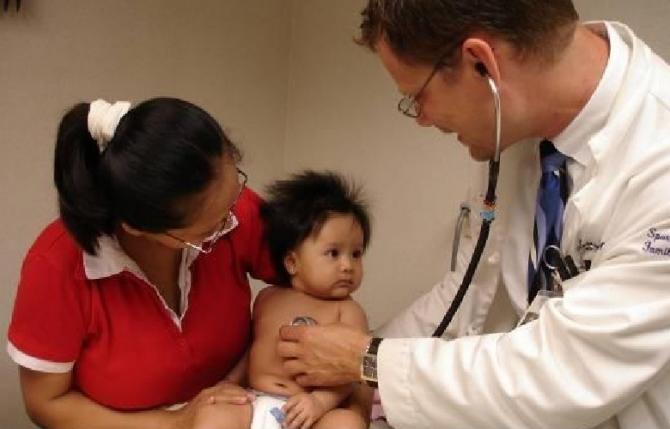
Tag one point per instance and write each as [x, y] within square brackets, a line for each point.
[223, 416]
[341, 418]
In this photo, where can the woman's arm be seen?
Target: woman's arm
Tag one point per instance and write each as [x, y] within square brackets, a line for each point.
[51, 403]
[238, 375]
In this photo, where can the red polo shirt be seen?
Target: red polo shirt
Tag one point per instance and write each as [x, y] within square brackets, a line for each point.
[100, 317]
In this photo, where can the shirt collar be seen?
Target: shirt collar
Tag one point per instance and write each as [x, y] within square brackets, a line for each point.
[573, 140]
[111, 260]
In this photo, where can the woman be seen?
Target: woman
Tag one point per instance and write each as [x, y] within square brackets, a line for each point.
[137, 297]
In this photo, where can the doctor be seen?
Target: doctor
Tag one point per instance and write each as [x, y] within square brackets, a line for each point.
[597, 357]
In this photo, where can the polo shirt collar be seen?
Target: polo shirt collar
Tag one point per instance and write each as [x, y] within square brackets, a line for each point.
[109, 261]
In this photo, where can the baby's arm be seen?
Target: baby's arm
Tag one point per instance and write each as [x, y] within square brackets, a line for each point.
[360, 402]
[352, 314]
[239, 373]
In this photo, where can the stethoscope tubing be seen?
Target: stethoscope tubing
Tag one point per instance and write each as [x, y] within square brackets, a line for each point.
[488, 215]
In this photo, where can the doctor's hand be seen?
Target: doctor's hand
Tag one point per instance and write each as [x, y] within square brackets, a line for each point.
[324, 355]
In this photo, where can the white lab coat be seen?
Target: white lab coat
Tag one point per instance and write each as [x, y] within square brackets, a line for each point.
[598, 357]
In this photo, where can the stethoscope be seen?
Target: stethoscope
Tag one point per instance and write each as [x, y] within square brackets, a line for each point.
[487, 213]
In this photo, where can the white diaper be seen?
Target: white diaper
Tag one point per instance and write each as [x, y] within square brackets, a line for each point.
[267, 411]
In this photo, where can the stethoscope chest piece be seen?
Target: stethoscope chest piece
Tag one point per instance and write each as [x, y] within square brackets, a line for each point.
[304, 321]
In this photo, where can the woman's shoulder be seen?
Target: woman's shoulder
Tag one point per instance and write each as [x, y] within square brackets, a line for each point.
[52, 305]
[56, 247]
[248, 203]
[248, 212]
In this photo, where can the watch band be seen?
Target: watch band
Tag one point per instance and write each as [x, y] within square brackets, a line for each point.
[373, 347]
[369, 362]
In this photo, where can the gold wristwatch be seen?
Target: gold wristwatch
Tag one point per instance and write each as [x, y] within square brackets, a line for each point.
[369, 362]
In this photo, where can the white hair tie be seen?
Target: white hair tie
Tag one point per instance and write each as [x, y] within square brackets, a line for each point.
[103, 119]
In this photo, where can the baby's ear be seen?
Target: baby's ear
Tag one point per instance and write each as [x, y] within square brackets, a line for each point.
[290, 263]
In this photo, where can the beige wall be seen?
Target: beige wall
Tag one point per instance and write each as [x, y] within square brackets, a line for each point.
[285, 80]
[230, 57]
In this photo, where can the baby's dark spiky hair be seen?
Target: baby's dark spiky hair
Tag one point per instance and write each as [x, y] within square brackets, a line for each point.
[298, 207]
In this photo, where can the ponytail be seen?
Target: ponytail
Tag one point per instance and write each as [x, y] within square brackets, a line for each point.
[83, 204]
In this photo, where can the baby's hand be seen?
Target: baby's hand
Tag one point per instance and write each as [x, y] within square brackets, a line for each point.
[302, 411]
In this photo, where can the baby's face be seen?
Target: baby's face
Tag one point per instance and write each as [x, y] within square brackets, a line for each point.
[329, 264]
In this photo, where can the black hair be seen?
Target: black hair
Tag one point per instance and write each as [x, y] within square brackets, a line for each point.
[298, 208]
[163, 152]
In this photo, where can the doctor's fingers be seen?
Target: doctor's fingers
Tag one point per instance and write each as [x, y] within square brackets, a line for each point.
[293, 332]
[290, 350]
[313, 372]
[294, 367]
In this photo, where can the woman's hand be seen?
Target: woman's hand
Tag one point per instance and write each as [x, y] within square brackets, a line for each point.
[228, 392]
[222, 394]
[327, 355]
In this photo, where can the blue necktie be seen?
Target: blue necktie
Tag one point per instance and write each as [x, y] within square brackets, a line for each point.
[551, 197]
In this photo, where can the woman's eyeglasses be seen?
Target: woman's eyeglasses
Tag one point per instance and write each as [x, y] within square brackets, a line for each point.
[228, 223]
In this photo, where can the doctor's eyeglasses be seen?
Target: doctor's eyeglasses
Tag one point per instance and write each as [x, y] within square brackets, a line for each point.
[227, 223]
[409, 105]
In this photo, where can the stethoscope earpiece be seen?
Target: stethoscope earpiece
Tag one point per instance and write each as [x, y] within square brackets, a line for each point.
[481, 69]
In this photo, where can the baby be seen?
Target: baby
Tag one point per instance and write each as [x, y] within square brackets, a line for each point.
[318, 230]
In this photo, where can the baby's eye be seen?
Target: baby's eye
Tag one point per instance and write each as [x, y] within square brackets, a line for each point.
[357, 254]
[333, 253]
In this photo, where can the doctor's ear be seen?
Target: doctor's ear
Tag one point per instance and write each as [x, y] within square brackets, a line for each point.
[479, 53]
